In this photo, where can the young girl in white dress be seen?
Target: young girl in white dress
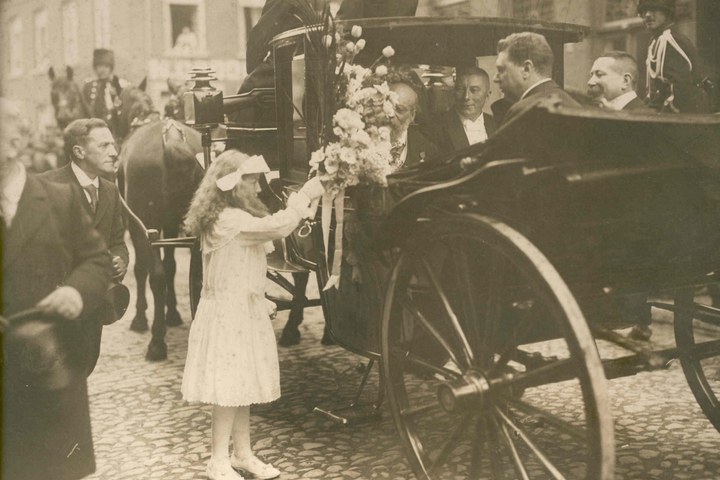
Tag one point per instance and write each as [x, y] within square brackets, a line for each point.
[232, 359]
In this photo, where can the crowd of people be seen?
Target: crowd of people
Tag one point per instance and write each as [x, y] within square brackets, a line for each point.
[63, 238]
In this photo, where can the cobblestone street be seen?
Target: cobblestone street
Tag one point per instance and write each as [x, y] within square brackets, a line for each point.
[143, 429]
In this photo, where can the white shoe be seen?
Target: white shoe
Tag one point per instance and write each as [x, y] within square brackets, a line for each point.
[221, 472]
[253, 467]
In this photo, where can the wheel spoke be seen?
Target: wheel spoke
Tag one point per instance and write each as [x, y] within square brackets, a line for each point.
[491, 318]
[422, 409]
[521, 331]
[419, 362]
[517, 461]
[543, 459]
[440, 292]
[415, 312]
[449, 445]
[562, 425]
[464, 285]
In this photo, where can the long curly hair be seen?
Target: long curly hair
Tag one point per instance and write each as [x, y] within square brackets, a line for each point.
[209, 200]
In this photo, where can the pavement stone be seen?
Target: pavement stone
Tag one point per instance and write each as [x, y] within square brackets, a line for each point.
[143, 429]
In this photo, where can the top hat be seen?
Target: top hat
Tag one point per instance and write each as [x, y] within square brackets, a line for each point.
[103, 56]
[667, 6]
[38, 350]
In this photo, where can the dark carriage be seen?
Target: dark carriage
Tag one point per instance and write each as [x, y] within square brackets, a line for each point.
[482, 279]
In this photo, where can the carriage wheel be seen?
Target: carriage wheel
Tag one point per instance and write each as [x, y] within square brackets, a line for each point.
[489, 363]
[196, 277]
[697, 336]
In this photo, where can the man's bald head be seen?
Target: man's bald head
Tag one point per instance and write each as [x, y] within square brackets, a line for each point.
[405, 109]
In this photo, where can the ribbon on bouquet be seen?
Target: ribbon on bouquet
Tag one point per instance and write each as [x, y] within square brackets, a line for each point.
[330, 201]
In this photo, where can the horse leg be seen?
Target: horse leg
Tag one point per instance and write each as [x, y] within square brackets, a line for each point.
[291, 333]
[142, 255]
[157, 349]
[172, 317]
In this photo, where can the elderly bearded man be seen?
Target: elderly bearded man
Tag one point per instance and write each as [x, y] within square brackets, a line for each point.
[409, 145]
[612, 83]
[466, 123]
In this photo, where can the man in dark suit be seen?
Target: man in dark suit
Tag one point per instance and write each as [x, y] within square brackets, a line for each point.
[409, 145]
[91, 154]
[524, 69]
[90, 150]
[53, 260]
[612, 83]
[466, 124]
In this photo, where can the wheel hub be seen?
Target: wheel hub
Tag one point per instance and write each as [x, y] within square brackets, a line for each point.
[469, 391]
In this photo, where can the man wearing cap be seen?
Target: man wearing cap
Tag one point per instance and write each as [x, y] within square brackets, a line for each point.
[612, 83]
[101, 95]
[673, 71]
[466, 123]
[524, 74]
[53, 261]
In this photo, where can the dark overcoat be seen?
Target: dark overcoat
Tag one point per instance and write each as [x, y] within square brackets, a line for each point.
[51, 242]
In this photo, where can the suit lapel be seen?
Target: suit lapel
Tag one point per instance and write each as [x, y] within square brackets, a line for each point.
[457, 133]
[31, 214]
[70, 177]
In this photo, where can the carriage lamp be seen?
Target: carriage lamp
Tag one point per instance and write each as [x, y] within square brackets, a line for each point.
[204, 108]
[203, 103]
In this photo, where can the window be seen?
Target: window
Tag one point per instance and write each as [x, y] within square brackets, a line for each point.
[101, 10]
[185, 27]
[40, 45]
[536, 9]
[70, 33]
[16, 47]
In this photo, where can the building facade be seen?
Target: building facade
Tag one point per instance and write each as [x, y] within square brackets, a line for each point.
[153, 39]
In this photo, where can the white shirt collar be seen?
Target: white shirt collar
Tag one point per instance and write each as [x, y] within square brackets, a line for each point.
[474, 124]
[540, 82]
[475, 131]
[619, 102]
[83, 177]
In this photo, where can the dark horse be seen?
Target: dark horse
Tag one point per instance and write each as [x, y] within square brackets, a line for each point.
[160, 173]
[65, 97]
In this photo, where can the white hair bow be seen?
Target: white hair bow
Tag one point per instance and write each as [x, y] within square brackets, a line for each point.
[254, 164]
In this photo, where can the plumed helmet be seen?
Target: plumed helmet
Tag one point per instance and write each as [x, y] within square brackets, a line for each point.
[103, 56]
[667, 6]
